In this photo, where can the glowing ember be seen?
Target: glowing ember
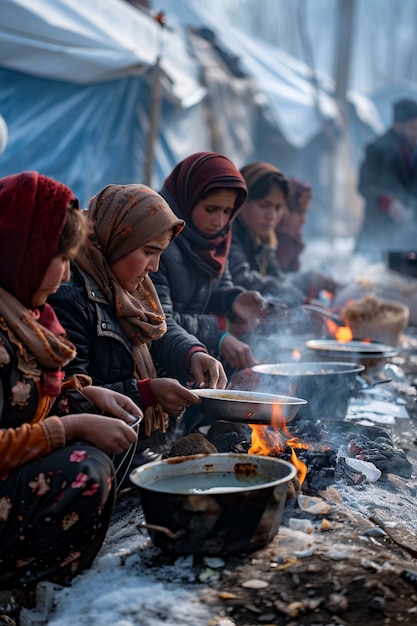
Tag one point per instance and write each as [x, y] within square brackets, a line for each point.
[271, 441]
[341, 333]
[344, 334]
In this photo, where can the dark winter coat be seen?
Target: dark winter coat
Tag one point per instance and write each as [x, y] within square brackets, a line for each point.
[190, 298]
[387, 171]
[254, 266]
[288, 251]
[103, 352]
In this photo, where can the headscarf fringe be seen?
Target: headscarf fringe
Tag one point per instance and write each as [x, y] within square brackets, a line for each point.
[155, 418]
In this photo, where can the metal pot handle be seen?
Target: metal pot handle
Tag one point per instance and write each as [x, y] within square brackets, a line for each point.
[162, 529]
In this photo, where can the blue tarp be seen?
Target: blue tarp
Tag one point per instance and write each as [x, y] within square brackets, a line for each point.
[75, 92]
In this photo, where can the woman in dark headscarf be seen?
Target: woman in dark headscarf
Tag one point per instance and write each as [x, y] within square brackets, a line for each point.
[289, 230]
[193, 281]
[253, 262]
[252, 256]
[112, 313]
[56, 494]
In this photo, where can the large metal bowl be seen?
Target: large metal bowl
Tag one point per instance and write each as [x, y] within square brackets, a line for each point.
[246, 406]
[213, 503]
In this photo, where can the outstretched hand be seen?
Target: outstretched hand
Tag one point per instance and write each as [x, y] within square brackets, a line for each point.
[106, 433]
[236, 353]
[113, 403]
[250, 306]
[172, 396]
[208, 371]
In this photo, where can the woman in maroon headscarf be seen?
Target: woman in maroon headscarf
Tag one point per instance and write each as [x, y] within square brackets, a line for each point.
[290, 228]
[56, 478]
[193, 281]
[289, 232]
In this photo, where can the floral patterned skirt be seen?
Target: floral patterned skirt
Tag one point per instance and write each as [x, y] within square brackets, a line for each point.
[54, 515]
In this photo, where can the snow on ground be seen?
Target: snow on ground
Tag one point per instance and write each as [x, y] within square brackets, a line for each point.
[124, 589]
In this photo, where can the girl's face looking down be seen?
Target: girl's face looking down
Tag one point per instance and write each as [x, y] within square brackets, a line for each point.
[133, 268]
[293, 222]
[58, 270]
[262, 215]
[211, 214]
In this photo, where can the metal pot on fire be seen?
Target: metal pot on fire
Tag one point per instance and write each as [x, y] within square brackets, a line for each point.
[213, 503]
[327, 386]
[372, 355]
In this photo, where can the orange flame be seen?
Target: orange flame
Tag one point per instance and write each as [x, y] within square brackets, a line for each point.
[341, 333]
[267, 441]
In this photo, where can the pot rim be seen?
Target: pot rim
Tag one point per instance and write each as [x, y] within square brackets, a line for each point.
[247, 397]
[355, 347]
[346, 368]
[179, 461]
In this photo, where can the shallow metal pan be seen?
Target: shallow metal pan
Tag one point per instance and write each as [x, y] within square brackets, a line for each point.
[246, 407]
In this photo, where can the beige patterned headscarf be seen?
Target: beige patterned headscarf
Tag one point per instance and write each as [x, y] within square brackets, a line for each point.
[125, 217]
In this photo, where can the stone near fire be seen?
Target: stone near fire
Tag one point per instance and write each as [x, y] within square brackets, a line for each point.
[255, 583]
[195, 443]
[314, 505]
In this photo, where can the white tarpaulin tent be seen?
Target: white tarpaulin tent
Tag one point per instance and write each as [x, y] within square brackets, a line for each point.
[301, 129]
[75, 92]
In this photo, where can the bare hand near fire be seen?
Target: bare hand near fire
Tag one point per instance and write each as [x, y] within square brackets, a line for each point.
[250, 306]
[237, 354]
[172, 396]
[320, 281]
[106, 433]
[113, 403]
[208, 371]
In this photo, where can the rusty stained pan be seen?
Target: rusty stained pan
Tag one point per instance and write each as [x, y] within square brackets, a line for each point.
[213, 504]
[246, 406]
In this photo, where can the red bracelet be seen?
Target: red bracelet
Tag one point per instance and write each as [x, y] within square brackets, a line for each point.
[223, 323]
[144, 388]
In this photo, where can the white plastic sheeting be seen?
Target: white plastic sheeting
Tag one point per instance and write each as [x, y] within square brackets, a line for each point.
[4, 133]
[75, 92]
[87, 42]
[296, 106]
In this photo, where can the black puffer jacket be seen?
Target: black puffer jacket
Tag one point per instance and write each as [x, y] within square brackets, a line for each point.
[102, 349]
[255, 267]
[190, 298]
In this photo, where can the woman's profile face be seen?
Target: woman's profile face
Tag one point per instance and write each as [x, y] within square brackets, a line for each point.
[293, 223]
[58, 271]
[262, 215]
[133, 268]
[211, 214]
